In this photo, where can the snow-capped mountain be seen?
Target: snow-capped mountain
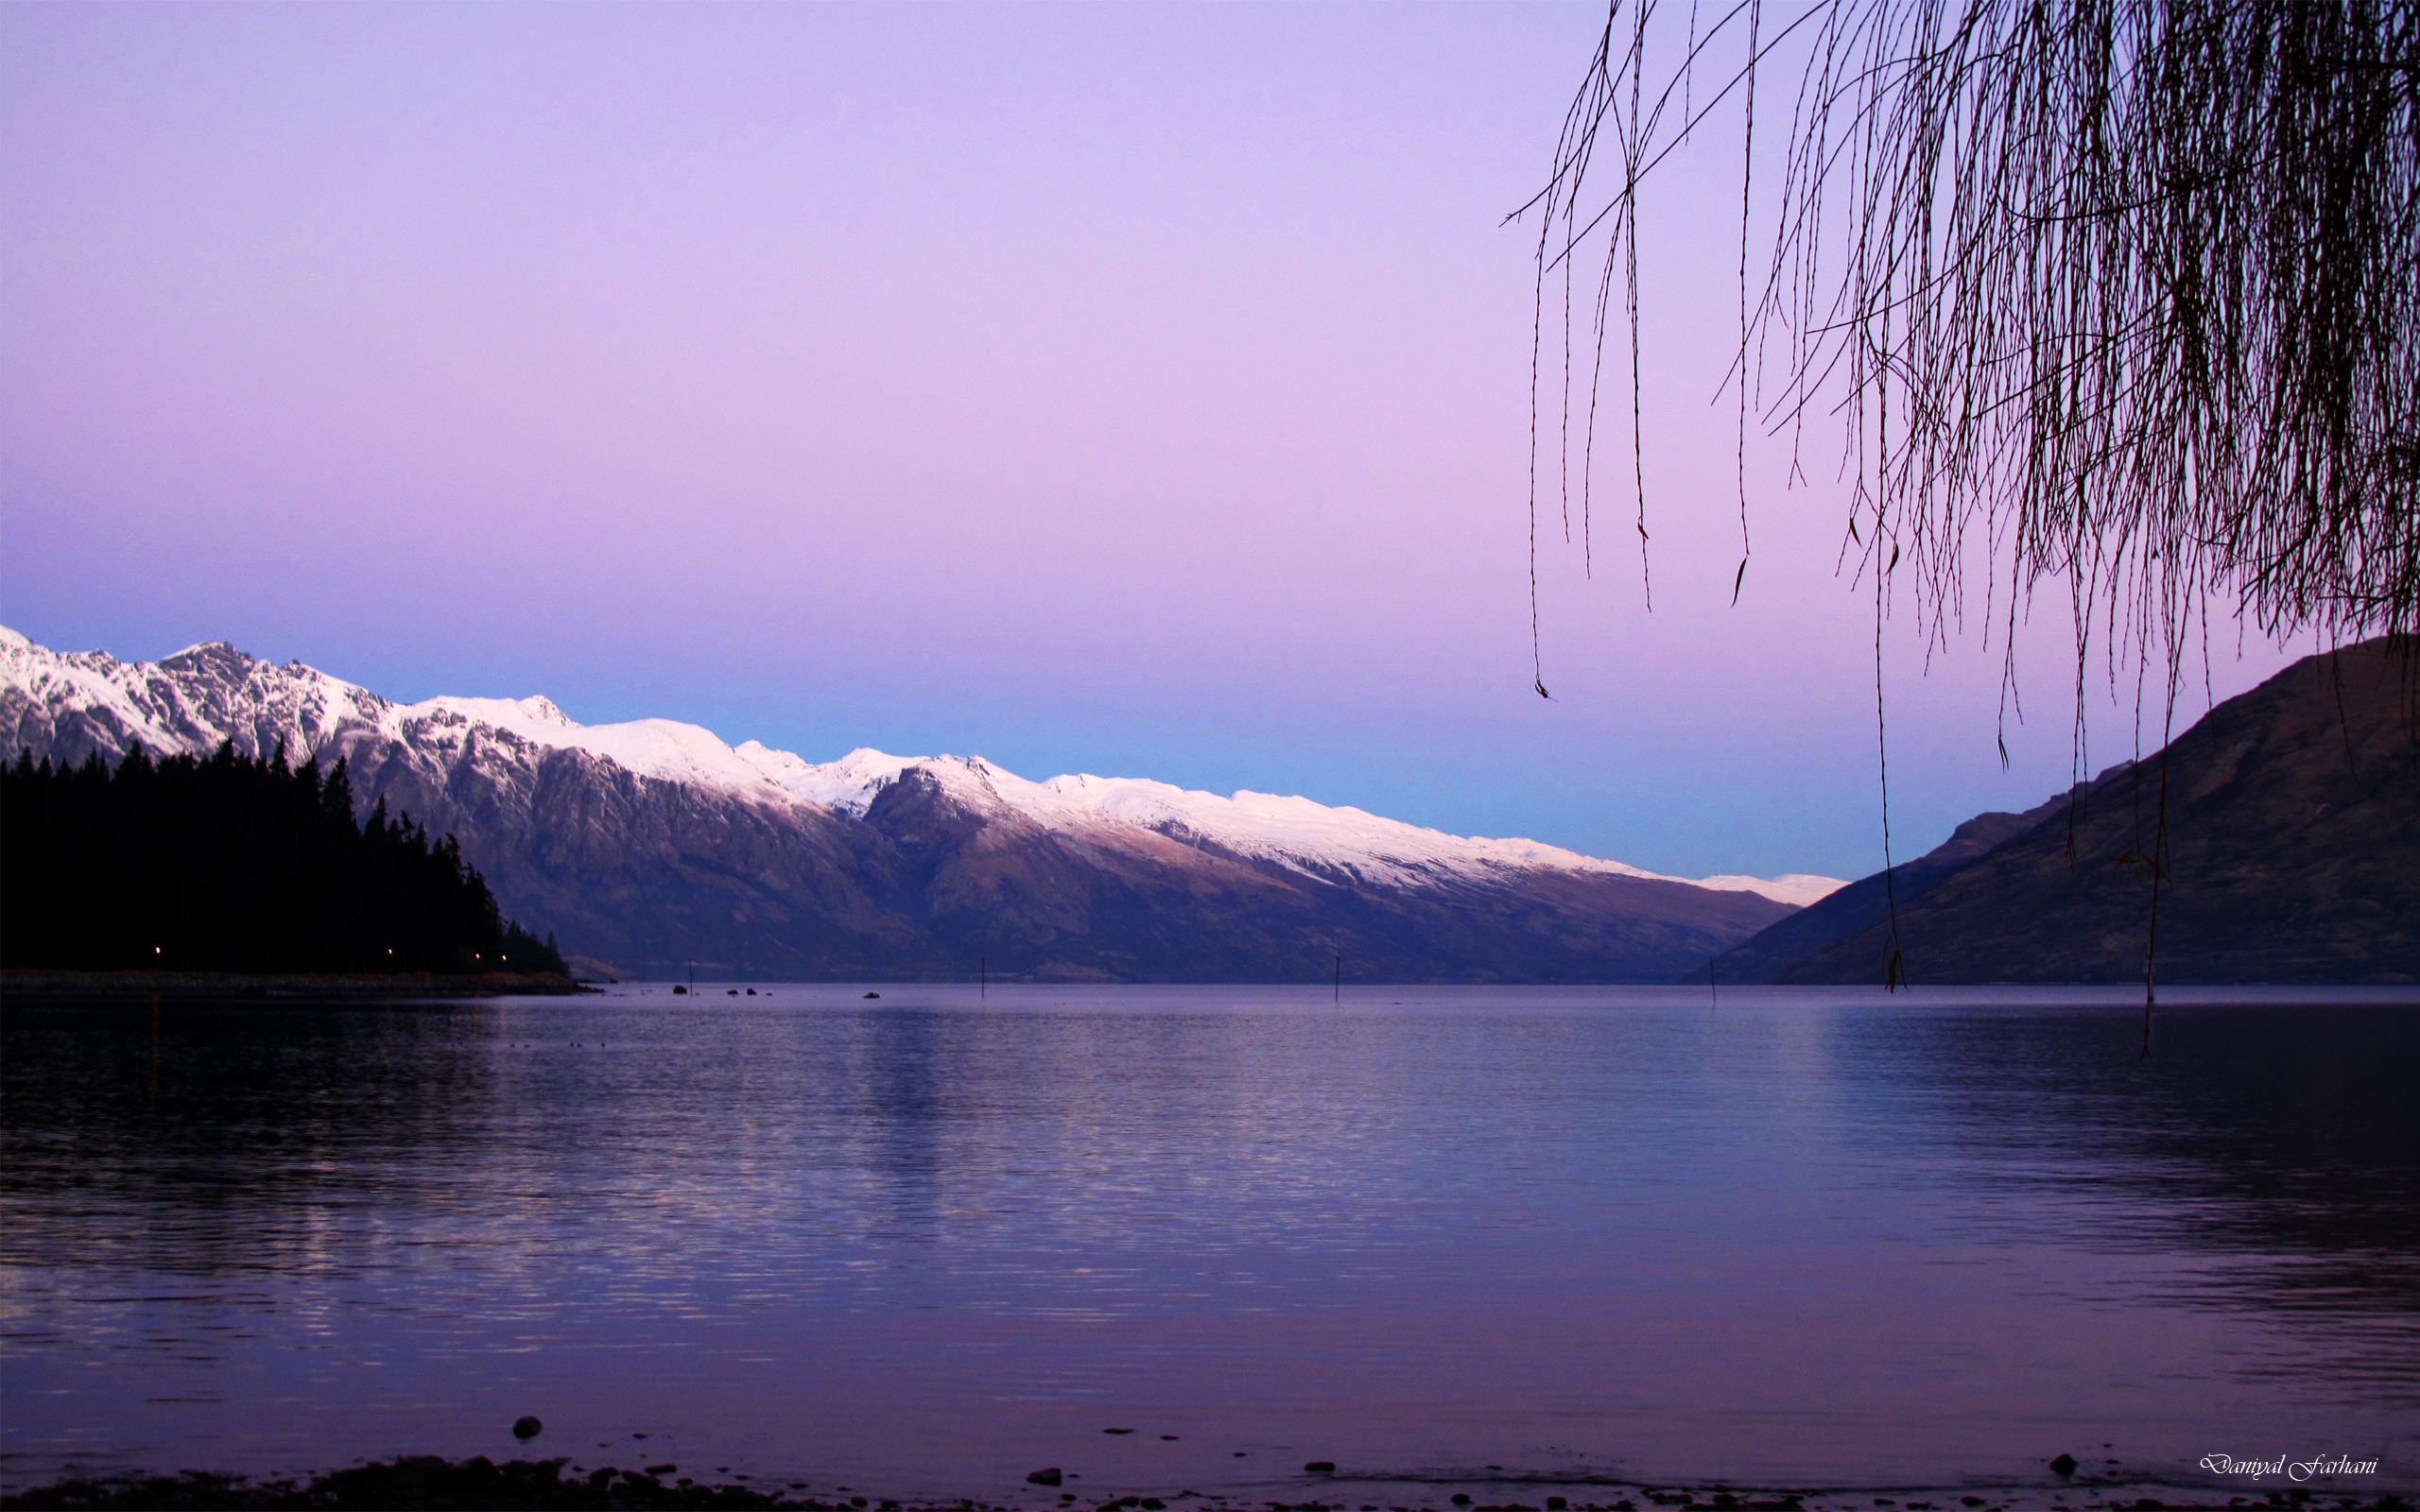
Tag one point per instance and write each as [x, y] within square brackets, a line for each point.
[654, 842]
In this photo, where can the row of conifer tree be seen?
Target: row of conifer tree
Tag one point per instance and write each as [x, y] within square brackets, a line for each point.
[235, 862]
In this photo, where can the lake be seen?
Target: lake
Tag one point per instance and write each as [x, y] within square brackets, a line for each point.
[920, 1245]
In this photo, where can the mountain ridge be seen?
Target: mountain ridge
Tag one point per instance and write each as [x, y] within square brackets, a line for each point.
[2285, 824]
[655, 842]
[1848, 909]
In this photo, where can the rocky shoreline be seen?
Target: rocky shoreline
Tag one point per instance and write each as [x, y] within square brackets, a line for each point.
[238, 986]
[427, 1480]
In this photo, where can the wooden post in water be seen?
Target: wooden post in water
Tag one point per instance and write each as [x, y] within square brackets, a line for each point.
[1339, 996]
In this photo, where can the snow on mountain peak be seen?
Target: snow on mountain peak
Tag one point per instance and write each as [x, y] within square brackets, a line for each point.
[535, 712]
[664, 749]
[216, 693]
[846, 786]
[1346, 842]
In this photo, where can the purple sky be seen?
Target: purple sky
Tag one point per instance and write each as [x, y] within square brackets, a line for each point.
[1136, 390]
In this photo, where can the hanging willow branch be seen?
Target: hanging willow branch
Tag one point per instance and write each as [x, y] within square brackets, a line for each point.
[2120, 291]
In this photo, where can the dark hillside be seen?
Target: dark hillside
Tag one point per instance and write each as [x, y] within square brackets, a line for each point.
[1836, 918]
[2292, 854]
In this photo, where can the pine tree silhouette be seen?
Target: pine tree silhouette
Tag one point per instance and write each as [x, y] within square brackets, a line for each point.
[235, 862]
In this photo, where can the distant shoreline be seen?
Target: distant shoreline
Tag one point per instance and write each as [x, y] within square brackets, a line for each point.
[18, 981]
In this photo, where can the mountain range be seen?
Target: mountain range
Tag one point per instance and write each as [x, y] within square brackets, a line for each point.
[2282, 830]
[651, 845]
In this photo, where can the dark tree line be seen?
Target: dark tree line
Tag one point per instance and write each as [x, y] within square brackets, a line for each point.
[235, 862]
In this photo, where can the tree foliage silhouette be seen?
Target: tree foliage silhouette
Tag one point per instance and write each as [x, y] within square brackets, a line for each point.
[235, 863]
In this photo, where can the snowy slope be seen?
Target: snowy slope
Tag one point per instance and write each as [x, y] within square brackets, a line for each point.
[212, 692]
[1293, 832]
[190, 701]
[665, 750]
[1314, 838]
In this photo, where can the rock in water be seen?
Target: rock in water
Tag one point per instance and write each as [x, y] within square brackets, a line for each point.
[1320, 1467]
[2064, 1464]
[1049, 1477]
[527, 1427]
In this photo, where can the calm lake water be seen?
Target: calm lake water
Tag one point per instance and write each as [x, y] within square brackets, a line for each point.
[923, 1245]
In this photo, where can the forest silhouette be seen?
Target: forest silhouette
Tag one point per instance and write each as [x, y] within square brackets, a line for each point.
[235, 863]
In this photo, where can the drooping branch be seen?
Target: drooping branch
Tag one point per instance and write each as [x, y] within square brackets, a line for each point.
[2123, 291]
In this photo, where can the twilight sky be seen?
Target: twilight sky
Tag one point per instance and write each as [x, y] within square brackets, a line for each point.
[1140, 390]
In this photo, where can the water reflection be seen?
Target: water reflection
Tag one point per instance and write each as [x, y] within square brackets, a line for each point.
[1813, 1234]
[2276, 1148]
[231, 1140]
[2250, 1131]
